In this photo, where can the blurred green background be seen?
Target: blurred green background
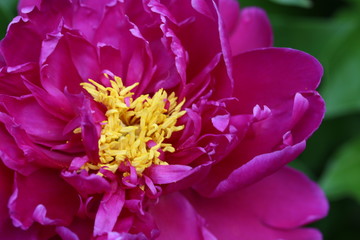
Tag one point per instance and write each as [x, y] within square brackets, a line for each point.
[330, 31]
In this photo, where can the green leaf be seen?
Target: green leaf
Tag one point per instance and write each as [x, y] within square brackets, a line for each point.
[7, 9]
[332, 134]
[297, 3]
[7, 12]
[342, 86]
[342, 176]
[309, 34]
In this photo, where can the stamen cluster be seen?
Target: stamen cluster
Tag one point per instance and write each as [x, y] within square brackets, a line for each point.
[136, 129]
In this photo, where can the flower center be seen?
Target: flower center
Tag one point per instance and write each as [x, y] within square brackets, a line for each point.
[136, 130]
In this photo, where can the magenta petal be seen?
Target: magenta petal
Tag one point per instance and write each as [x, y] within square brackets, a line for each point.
[164, 174]
[83, 56]
[230, 12]
[218, 182]
[40, 216]
[59, 69]
[273, 76]
[41, 126]
[90, 131]
[32, 152]
[86, 183]
[253, 31]
[6, 184]
[273, 208]
[12, 47]
[12, 78]
[11, 155]
[221, 122]
[57, 105]
[188, 224]
[9, 232]
[79, 229]
[308, 112]
[28, 4]
[44, 197]
[66, 234]
[109, 210]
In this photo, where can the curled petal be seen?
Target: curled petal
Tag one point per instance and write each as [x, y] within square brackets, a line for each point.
[43, 197]
[219, 181]
[165, 174]
[86, 183]
[109, 210]
[274, 208]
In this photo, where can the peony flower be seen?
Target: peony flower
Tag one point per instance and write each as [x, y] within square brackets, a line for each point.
[154, 120]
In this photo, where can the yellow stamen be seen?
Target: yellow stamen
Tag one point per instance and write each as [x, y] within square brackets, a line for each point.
[135, 129]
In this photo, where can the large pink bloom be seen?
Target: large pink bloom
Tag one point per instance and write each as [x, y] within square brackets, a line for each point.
[249, 109]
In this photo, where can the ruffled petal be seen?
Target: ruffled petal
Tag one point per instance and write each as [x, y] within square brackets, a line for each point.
[274, 208]
[224, 177]
[41, 126]
[10, 154]
[14, 51]
[29, 153]
[290, 112]
[43, 197]
[85, 183]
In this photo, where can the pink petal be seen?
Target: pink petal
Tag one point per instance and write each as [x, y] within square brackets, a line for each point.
[283, 81]
[230, 13]
[177, 219]
[165, 174]
[225, 178]
[79, 229]
[86, 183]
[57, 105]
[12, 79]
[273, 76]
[253, 31]
[274, 208]
[66, 234]
[44, 128]
[62, 59]
[9, 232]
[6, 184]
[109, 210]
[44, 197]
[308, 112]
[221, 122]
[28, 3]
[10, 154]
[31, 152]
[14, 51]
